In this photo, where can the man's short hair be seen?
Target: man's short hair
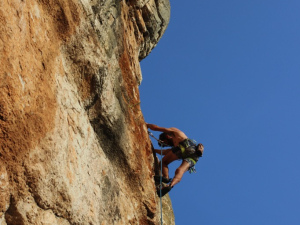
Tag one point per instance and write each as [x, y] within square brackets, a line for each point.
[163, 136]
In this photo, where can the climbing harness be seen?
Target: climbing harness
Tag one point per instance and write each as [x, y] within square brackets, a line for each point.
[192, 169]
[183, 146]
[199, 152]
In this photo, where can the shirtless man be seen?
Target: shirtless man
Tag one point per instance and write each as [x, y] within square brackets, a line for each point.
[182, 148]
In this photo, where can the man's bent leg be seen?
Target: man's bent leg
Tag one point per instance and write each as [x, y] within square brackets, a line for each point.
[179, 172]
[167, 159]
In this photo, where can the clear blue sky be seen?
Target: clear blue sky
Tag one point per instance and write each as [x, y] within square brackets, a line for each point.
[227, 73]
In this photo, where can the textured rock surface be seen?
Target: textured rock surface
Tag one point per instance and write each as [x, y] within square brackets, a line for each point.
[70, 121]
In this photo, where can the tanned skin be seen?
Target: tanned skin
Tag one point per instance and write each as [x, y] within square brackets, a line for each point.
[176, 136]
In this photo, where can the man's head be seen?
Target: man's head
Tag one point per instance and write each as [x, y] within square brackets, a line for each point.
[166, 139]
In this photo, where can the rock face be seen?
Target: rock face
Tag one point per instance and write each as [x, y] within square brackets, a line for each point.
[74, 148]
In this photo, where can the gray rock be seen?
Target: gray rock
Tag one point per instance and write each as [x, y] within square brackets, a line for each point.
[156, 16]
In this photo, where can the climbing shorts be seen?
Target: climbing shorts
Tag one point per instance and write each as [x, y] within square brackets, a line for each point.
[177, 152]
[190, 161]
[188, 153]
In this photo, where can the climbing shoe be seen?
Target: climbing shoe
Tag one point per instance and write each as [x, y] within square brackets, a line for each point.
[164, 191]
[164, 179]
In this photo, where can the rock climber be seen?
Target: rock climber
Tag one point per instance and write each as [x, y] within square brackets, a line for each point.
[182, 148]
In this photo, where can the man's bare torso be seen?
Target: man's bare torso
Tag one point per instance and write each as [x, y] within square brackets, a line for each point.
[177, 136]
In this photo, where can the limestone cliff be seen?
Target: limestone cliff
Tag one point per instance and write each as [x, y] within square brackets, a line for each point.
[74, 148]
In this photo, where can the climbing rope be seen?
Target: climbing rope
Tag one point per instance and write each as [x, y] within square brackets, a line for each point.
[160, 180]
[161, 217]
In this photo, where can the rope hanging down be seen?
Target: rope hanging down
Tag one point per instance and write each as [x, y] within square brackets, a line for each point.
[161, 217]
[160, 180]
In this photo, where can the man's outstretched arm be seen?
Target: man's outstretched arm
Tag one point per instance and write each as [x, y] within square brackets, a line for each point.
[161, 129]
